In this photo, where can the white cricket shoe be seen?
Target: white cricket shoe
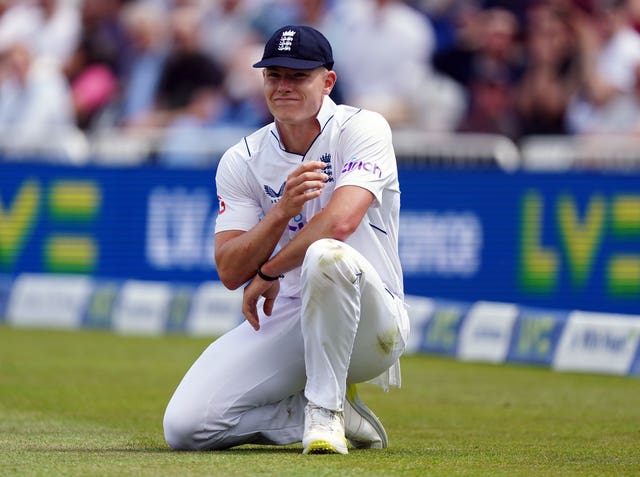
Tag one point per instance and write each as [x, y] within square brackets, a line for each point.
[323, 431]
[362, 427]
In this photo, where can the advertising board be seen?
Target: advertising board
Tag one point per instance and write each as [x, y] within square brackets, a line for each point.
[561, 241]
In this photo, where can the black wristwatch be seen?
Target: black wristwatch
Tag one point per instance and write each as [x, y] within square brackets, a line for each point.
[268, 278]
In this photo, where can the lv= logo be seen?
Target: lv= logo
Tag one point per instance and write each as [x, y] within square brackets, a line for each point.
[69, 206]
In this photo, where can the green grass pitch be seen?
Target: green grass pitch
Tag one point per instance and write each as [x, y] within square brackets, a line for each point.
[90, 404]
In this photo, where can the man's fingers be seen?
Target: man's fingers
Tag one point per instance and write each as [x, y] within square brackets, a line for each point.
[268, 306]
[309, 166]
[251, 315]
[309, 181]
[308, 171]
[303, 184]
[306, 187]
[253, 321]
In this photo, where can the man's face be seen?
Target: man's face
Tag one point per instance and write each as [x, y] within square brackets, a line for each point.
[295, 96]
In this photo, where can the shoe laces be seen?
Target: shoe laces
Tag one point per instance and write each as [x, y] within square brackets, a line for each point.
[325, 418]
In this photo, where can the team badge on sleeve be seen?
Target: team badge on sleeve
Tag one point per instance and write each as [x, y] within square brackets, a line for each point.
[221, 205]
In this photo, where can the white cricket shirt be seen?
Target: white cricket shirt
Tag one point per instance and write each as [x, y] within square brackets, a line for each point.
[357, 148]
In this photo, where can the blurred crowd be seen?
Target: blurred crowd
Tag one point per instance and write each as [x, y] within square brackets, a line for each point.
[516, 68]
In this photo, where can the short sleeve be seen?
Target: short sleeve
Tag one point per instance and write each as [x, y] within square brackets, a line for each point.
[238, 207]
[367, 153]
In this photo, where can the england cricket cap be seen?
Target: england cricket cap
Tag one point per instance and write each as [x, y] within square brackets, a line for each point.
[298, 47]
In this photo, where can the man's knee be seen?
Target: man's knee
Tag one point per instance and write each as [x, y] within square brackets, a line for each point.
[320, 257]
[321, 246]
[179, 430]
[324, 253]
[329, 262]
[184, 430]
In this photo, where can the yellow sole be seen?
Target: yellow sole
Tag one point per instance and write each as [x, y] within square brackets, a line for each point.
[320, 447]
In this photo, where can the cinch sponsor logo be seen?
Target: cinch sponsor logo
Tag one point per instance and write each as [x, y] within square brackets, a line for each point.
[356, 165]
[593, 340]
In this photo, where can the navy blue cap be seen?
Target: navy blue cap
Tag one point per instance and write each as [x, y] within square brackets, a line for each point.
[298, 47]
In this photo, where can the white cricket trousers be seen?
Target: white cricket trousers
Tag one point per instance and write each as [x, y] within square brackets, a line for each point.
[252, 386]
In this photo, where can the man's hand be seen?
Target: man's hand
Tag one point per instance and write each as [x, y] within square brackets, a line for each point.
[252, 293]
[303, 184]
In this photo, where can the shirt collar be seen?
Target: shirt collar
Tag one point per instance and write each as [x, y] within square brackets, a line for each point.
[326, 112]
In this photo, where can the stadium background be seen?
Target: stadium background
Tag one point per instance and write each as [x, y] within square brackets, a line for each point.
[518, 248]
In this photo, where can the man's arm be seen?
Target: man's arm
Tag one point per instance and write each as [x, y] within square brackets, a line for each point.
[239, 253]
[338, 220]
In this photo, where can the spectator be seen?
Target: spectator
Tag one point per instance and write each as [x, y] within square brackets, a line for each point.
[491, 108]
[103, 27]
[392, 44]
[91, 74]
[635, 119]
[244, 89]
[229, 22]
[548, 81]
[609, 50]
[443, 17]
[46, 27]
[634, 9]
[190, 79]
[59, 31]
[456, 60]
[190, 94]
[35, 99]
[313, 12]
[147, 29]
[19, 21]
[269, 15]
[496, 67]
[96, 64]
